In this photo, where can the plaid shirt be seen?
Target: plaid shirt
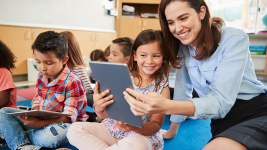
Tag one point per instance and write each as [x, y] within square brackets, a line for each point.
[65, 94]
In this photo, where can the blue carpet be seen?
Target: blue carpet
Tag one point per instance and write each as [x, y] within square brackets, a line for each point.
[192, 134]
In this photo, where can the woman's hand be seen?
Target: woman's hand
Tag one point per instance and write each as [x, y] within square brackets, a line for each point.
[100, 102]
[125, 127]
[153, 103]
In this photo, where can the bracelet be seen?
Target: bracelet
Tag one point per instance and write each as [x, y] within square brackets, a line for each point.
[96, 111]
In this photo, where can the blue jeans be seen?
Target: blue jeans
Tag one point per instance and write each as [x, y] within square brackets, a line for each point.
[17, 134]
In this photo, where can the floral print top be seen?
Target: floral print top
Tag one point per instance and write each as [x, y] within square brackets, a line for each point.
[156, 139]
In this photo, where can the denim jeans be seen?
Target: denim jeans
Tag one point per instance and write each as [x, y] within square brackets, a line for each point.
[17, 134]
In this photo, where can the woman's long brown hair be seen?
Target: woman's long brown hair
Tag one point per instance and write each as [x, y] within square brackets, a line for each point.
[147, 37]
[74, 52]
[207, 41]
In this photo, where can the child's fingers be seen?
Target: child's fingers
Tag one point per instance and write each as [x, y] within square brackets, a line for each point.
[96, 90]
[107, 103]
[103, 94]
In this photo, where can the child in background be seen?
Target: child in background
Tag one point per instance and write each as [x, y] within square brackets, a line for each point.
[149, 66]
[107, 52]
[57, 89]
[98, 55]
[75, 62]
[8, 90]
[120, 50]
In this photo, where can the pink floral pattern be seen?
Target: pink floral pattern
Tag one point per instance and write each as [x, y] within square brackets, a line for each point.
[156, 139]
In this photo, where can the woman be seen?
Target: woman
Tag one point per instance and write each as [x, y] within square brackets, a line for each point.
[216, 62]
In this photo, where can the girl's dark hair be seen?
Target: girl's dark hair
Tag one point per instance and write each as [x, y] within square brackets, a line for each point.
[207, 41]
[7, 58]
[51, 41]
[74, 52]
[107, 51]
[147, 37]
[97, 54]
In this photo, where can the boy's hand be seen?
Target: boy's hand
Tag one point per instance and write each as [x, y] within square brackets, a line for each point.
[30, 121]
[100, 102]
[125, 127]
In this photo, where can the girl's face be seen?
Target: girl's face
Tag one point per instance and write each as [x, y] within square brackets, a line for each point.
[49, 65]
[184, 22]
[149, 58]
[116, 55]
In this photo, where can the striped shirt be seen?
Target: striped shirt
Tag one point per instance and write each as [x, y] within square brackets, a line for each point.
[82, 74]
[65, 94]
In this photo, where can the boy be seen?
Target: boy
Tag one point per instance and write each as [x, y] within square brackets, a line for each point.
[120, 50]
[57, 89]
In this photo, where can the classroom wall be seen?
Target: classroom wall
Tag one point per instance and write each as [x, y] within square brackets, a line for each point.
[58, 13]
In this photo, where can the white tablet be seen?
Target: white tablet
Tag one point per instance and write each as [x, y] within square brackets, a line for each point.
[116, 77]
[39, 113]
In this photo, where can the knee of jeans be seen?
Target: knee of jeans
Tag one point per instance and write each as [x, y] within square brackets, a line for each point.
[55, 135]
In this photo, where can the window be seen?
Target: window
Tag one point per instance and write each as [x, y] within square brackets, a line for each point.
[243, 14]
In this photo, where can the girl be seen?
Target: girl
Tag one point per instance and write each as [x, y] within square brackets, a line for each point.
[8, 90]
[149, 67]
[75, 61]
[216, 62]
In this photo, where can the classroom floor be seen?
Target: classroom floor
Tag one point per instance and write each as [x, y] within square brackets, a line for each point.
[192, 135]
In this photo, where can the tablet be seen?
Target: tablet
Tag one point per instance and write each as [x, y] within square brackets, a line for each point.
[39, 113]
[116, 77]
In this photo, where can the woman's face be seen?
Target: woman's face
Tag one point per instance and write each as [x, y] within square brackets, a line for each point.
[183, 21]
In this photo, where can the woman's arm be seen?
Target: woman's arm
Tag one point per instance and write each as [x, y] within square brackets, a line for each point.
[155, 103]
[4, 97]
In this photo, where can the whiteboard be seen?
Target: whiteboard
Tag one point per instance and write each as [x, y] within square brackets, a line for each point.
[71, 14]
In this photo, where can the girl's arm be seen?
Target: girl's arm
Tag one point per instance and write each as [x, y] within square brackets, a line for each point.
[4, 97]
[100, 103]
[151, 127]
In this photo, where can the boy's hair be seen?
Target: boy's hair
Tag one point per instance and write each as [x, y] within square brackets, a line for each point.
[74, 52]
[97, 54]
[147, 37]
[107, 51]
[126, 43]
[7, 58]
[51, 41]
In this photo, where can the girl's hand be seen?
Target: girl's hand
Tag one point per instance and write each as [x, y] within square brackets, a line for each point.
[100, 102]
[153, 103]
[125, 127]
[30, 121]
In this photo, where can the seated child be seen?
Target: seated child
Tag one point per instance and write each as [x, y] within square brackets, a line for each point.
[57, 89]
[149, 67]
[8, 90]
[96, 55]
[120, 50]
[107, 52]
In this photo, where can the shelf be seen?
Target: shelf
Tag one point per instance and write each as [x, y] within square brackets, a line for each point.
[261, 74]
[259, 56]
[141, 1]
[261, 36]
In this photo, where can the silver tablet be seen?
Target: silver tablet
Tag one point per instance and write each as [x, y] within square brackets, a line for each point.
[39, 113]
[115, 76]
